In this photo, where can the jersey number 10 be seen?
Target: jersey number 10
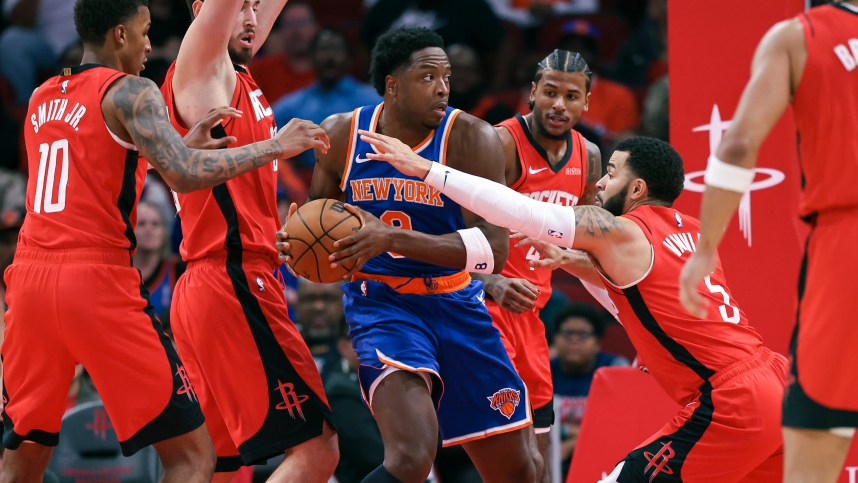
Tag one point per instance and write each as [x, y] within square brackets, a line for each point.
[46, 181]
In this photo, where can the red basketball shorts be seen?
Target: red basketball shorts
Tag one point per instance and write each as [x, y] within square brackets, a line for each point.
[256, 379]
[729, 432]
[822, 393]
[523, 336]
[89, 307]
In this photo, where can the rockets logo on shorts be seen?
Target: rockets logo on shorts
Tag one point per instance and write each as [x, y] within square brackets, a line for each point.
[505, 401]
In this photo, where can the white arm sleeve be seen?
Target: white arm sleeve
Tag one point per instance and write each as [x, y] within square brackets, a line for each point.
[502, 206]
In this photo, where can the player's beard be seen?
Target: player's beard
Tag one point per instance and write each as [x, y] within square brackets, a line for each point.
[240, 57]
[614, 204]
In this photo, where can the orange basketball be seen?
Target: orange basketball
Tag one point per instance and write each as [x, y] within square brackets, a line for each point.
[507, 408]
[312, 231]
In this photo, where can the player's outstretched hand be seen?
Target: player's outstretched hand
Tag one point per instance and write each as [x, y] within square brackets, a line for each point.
[281, 244]
[397, 153]
[299, 135]
[698, 266]
[200, 136]
[370, 241]
[550, 256]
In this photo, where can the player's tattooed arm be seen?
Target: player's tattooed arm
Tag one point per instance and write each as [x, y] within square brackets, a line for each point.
[594, 174]
[593, 223]
[138, 106]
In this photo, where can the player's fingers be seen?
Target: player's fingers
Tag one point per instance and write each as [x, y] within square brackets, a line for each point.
[215, 115]
[357, 212]
[292, 209]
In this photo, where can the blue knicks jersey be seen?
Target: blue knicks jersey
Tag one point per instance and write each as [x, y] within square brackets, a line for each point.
[402, 201]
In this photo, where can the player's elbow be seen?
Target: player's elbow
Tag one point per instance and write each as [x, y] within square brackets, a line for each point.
[736, 147]
[180, 184]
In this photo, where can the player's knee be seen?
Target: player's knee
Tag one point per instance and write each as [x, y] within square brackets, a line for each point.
[410, 461]
[193, 456]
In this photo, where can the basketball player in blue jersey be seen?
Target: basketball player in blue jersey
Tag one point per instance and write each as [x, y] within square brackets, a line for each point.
[430, 357]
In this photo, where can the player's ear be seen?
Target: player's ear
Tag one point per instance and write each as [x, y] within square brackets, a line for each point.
[639, 189]
[390, 85]
[532, 93]
[587, 102]
[198, 4]
[120, 35]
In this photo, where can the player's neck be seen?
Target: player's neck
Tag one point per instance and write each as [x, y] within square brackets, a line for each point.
[555, 148]
[99, 56]
[410, 133]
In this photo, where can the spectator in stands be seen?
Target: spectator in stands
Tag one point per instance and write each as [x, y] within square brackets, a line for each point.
[361, 449]
[318, 313]
[643, 56]
[469, 22]
[579, 330]
[655, 118]
[286, 65]
[159, 270]
[39, 32]
[532, 13]
[335, 90]
[169, 22]
[13, 198]
[613, 107]
[469, 91]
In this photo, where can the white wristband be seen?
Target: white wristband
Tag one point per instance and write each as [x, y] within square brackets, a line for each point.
[728, 176]
[479, 252]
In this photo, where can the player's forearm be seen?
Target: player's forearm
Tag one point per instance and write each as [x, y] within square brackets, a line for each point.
[443, 250]
[505, 207]
[579, 264]
[716, 210]
[187, 170]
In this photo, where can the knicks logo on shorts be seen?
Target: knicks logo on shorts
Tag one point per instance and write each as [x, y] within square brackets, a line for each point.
[505, 401]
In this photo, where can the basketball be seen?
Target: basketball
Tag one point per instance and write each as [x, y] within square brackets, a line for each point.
[312, 231]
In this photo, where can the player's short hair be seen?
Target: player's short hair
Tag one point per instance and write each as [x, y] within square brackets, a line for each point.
[594, 316]
[563, 61]
[393, 50]
[657, 163]
[94, 18]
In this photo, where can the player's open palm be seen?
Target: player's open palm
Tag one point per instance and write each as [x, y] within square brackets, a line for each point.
[370, 241]
[514, 294]
[299, 135]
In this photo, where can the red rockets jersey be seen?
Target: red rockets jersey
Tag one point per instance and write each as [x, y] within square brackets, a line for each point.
[84, 181]
[562, 184]
[680, 350]
[240, 214]
[826, 110]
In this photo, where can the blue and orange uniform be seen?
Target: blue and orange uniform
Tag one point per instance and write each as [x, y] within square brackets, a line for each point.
[73, 294]
[405, 314]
